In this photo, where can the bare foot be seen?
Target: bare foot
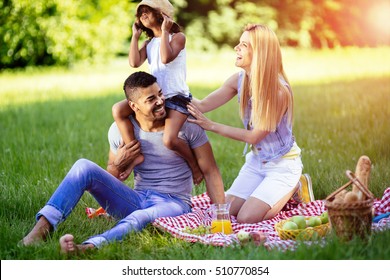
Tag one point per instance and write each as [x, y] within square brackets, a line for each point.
[125, 174]
[38, 234]
[29, 240]
[69, 247]
[138, 160]
[197, 175]
[67, 244]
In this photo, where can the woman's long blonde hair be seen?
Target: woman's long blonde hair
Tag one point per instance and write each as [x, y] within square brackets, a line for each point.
[270, 98]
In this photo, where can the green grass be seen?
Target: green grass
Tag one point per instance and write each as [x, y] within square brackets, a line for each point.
[51, 117]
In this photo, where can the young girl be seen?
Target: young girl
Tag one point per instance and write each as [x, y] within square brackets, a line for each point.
[166, 54]
[273, 166]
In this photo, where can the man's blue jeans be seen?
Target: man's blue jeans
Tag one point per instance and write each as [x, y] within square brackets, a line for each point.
[134, 209]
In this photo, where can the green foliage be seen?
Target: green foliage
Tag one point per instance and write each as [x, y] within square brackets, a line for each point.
[46, 32]
[310, 23]
[226, 23]
[196, 42]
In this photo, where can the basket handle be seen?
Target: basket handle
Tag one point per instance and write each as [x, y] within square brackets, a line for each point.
[355, 180]
[338, 190]
[359, 184]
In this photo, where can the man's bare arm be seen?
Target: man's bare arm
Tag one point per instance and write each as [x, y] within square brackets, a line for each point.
[212, 175]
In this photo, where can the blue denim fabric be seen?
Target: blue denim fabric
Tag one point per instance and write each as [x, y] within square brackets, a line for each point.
[178, 103]
[134, 209]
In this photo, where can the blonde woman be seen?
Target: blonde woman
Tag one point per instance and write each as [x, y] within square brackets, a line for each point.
[273, 167]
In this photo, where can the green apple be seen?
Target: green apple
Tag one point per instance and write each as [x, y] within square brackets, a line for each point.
[304, 234]
[314, 221]
[315, 236]
[308, 234]
[324, 217]
[300, 221]
[289, 225]
[243, 236]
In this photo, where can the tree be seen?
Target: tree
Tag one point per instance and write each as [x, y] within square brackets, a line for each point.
[211, 23]
[304, 23]
[46, 32]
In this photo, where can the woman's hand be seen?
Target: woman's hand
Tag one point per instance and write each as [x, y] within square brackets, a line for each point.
[248, 136]
[200, 119]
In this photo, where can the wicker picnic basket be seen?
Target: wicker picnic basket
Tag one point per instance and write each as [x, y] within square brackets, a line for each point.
[351, 219]
[310, 233]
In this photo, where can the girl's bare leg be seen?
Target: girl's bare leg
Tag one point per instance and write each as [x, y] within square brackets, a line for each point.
[126, 129]
[173, 124]
[39, 232]
[121, 112]
[69, 247]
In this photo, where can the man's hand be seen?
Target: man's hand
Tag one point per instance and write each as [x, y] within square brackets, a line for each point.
[126, 154]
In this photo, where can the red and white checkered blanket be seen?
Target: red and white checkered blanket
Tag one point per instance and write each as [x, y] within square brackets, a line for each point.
[200, 216]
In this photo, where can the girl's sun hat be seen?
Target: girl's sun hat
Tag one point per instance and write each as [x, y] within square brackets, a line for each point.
[163, 5]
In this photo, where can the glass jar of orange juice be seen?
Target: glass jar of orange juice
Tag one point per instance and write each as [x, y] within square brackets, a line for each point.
[221, 219]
